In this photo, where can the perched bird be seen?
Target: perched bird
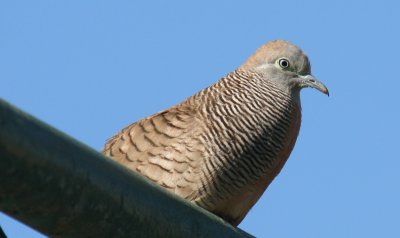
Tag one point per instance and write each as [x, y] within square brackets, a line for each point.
[222, 147]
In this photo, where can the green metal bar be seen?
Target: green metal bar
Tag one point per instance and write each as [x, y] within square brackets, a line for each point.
[2, 234]
[63, 188]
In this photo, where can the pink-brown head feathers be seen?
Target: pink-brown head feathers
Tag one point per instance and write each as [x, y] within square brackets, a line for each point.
[284, 64]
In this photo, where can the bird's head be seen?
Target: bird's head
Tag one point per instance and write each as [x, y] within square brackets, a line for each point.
[284, 64]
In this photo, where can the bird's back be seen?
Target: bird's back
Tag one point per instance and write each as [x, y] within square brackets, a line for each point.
[163, 148]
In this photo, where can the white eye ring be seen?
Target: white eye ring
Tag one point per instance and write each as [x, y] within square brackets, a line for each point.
[283, 63]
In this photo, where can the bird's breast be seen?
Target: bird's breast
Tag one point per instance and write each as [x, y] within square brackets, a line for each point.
[247, 150]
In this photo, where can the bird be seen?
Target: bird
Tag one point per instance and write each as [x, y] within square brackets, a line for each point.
[222, 147]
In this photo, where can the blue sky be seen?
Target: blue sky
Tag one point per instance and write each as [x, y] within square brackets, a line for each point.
[90, 68]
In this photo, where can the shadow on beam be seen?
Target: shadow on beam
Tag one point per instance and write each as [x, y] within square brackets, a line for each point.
[63, 188]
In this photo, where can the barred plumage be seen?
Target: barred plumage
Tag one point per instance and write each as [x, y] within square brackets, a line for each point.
[221, 147]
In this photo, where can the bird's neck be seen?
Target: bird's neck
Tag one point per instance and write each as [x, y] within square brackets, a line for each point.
[244, 93]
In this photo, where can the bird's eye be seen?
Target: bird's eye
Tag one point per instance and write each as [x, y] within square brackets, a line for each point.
[283, 63]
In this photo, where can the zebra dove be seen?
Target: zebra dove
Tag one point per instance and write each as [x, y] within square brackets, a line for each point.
[222, 147]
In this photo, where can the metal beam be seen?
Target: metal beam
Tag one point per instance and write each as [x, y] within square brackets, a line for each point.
[63, 188]
[2, 234]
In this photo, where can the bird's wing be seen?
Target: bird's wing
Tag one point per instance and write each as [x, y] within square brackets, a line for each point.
[164, 147]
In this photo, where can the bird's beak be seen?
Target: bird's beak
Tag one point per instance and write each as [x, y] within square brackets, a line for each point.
[310, 81]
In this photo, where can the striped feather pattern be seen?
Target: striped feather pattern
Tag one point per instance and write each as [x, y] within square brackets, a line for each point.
[219, 148]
